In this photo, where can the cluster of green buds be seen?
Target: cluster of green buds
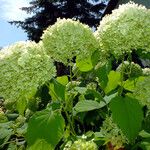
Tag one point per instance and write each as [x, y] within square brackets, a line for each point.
[130, 69]
[81, 144]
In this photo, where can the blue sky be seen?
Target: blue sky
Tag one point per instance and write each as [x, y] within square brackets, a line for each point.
[10, 10]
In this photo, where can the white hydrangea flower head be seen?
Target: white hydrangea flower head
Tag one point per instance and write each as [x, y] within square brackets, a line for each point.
[68, 38]
[125, 30]
[24, 67]
[146, 71]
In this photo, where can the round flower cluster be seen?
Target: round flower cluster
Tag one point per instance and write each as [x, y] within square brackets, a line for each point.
[82, 144]
[67, 38]
[125, 30]
[24, 67]
[113, 134]
[130, 69]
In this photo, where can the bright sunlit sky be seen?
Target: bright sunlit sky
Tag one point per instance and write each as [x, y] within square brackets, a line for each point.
[10, 10]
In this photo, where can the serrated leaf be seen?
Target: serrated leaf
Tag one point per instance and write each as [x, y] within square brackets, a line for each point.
[47, 125]
[81, 90]
[96, 94]
[12, 146]
[146, 123]
[57, 90]
[127, 114]
[113, 81]
[86, 105]
[62, 80]
[21, 106]
[84, 65]
[144, 134]
[130, 84]
[5, 133]
[41, 144]
[145, 145]
[101, 73]
[95, 57]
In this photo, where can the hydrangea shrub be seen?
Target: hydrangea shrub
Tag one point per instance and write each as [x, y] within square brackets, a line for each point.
[68, 38]
[125, 30]
[24, 67]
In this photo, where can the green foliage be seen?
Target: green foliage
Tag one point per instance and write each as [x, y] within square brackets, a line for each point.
[143, 95]
[40, 144]
[84, 65]
[86, 105]
[57, 90]
[48, 125]
[113, 80]
[108, 106]
[102, 73]
[67, 39]
[125, 30]
[127, 114]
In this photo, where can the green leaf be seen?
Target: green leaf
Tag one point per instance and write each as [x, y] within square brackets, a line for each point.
[86, 105]
[41, 144]
[12, 146]
[144, 134]
[145, 145]
[5, 132]
[57, 90]
[48, 125]
[101, 73]
[52, 92]
[127, 114]
[130, 84]
[106, 100]
[81, 90]
[62, 80]
[21, 106]
[95, 57]
[84, 65]
[98, 97]
[146, 123]
[113, 81]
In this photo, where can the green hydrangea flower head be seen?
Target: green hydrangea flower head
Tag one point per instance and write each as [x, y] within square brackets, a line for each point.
[82, 144]
[24, 67]
[125, 30]
[130, 69]
[68, 38]
[113, 134]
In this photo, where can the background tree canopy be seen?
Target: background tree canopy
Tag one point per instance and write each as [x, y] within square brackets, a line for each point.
[46, 12]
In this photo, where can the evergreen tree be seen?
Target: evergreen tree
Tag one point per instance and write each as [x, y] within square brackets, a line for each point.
[46, 12]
